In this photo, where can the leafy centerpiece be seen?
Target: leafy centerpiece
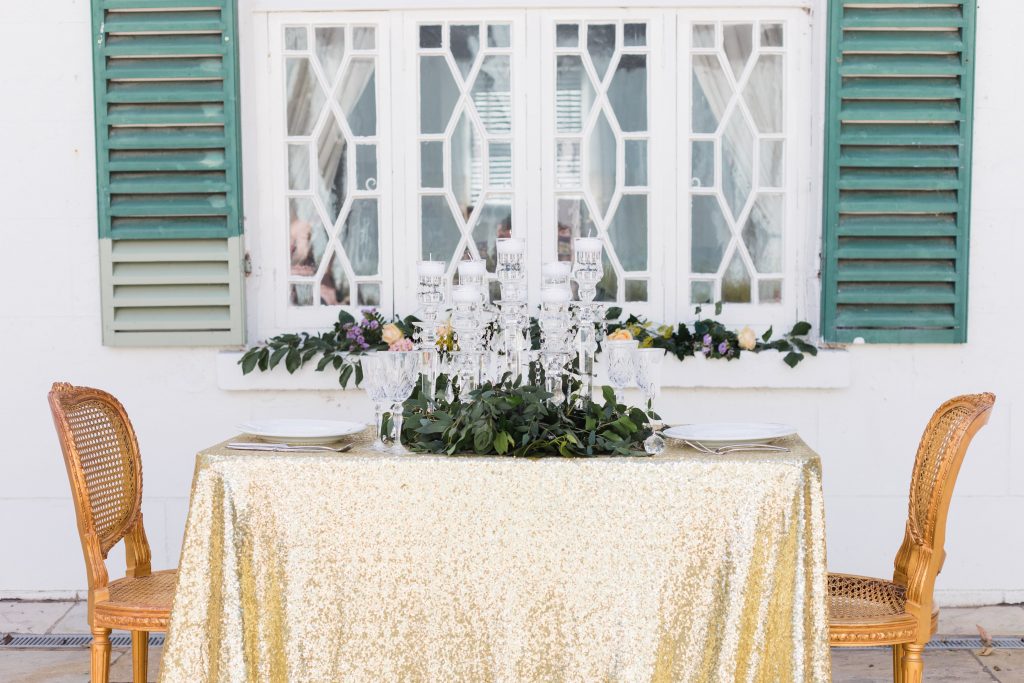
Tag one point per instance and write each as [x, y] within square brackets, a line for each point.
[519, 419]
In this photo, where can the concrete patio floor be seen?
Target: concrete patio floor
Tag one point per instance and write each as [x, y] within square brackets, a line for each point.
[849, 666]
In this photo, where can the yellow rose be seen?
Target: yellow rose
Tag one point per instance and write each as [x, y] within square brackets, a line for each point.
[747, 339]
[620, 334]
[390, 334]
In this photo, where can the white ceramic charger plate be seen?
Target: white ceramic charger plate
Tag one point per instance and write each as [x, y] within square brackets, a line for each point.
[300, 431]
[724, 433]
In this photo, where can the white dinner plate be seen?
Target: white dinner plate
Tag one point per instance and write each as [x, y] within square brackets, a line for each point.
[300, 431]
[723, 433]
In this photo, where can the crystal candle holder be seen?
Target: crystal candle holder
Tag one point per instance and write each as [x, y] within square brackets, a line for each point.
[430, 296]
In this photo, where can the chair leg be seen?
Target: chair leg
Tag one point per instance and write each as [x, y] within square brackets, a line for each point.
[897, 663]
[100, 655]
[140, 656]
[913, 663]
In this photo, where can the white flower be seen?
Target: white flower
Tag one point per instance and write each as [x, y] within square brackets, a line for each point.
[747, 339]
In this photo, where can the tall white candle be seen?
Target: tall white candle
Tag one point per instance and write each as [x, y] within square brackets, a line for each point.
[473, 268]
[511, 245]
[555, 269]
[587, 244]
[464, 294]
[430, 268]
[554, 295]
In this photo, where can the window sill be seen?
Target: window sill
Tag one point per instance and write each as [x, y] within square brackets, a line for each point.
[829, 370]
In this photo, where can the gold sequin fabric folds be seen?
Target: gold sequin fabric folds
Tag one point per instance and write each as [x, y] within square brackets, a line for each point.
[370, 567]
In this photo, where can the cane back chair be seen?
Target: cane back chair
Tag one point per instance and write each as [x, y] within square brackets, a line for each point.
[866, 611]
[105, 470]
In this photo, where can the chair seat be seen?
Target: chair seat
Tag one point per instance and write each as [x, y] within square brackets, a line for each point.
[865, 610]
[138, 604]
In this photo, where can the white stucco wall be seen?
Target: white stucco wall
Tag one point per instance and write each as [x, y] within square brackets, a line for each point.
[866, 431]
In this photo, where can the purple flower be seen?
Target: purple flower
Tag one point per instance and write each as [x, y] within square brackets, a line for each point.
[722, 348]
[707, 340]
[373, 325]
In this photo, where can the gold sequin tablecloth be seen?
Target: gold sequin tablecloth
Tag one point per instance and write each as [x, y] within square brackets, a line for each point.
[369, 567]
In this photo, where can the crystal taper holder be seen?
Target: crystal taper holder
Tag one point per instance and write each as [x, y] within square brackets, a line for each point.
[511, 274]
[469, 333]
[430, 296]
[587, 271]
[554, 325]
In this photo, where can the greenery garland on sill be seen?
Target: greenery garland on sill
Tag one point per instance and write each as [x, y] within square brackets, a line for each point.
[339, 347]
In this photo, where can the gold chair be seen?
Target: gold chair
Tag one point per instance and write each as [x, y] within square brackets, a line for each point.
[105, 469]
[866, 611]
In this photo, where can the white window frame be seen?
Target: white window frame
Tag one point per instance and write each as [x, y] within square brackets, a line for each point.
[805, 36]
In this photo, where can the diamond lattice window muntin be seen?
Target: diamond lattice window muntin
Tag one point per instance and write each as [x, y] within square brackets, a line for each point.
[464, 128]
[738, 140]
[331, 138]
[601, 149]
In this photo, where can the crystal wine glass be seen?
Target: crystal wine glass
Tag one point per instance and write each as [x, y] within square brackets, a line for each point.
[375, 384]
[621, 364]
[401, 372]
[648, 378]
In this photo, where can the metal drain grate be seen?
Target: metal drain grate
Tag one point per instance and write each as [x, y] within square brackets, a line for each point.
[51, 641]
[975, 644]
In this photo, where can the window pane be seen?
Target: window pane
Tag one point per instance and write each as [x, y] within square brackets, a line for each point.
[357, 96]
[601, 47]
[628, 93]
[360, 237]
[636, 162]
[499, 165]
[440, 231]
[332, 163]
[467, 165]
[334, 284]
[499, 35]
[601, 163]
[438, 94]
[464, 44]
[330, 49]
[298, 167]
[366, 167]
[432, 164]
[703, 35]
[771, 163]
[762, 233]
[635, 35]
[574, 94]
[304, 95]
[567, 164]
[430, 36]
[736, 283]
[308, 237]
[628, 232]
[702, 162]
[738, 42]
[364, 37]
[492, 94]
[567, 35]
[295, 38]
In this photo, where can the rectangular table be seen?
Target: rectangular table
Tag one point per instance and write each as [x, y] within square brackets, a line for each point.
[371, 567]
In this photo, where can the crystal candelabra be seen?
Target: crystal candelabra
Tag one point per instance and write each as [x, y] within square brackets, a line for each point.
[493, 341]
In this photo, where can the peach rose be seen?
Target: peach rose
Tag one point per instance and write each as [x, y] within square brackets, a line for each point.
[747, 339]
[391, 333]
[621, 334]
[402, 345]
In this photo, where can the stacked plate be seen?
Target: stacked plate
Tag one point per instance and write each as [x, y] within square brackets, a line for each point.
[300, 431]
[716, 434]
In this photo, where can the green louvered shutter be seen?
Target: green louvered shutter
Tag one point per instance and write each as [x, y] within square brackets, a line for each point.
[897, 170]
[168, 171]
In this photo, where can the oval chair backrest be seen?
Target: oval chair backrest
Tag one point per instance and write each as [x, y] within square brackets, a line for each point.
[939, 455]
[102, 458]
